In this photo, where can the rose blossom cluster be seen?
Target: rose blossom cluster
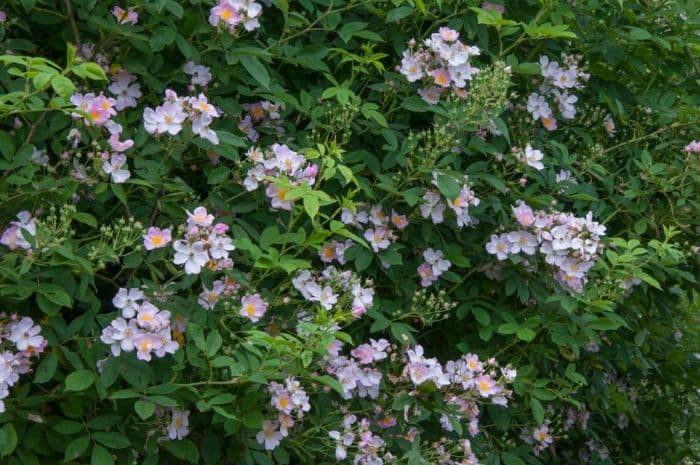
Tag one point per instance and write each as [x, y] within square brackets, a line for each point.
[101, 111]
[230, 13]
[440, 63]
[378, 230]
[466, 381]
[434, 206]
[530, 157]
[556, 87]
[333, 288]
[200, 75]
[264, 114]
[693, 147]
[96, 110]
[14, 236]
[20, 340]
[125, 90]
[220, 288]
[357, 373]
[290, 400]
[276, 162]
[570, 244]
[172, 114]
[541, 438]
[572, 417]
[204, 243]
[368, 447]
[334, 250]
[179, 426]
[125, 16]
[433, 267]
[142, 327]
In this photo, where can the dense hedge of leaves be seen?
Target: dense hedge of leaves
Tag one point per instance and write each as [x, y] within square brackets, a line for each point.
[334, 231]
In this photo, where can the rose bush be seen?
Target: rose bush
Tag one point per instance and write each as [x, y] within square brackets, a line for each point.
[349, 231]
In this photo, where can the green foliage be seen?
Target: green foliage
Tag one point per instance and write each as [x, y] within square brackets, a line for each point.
[626, 355]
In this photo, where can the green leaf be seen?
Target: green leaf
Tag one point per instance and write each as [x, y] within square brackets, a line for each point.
[537, 410]
[510, 459]
[101, 456]
[62, 86]
[525, 334]
[330, 382]
[91, 71]
[8, 440]
[214, 342]
[256, 69]
[639, 34]
[183, 449]
[398, 14]
[119, 192]
[543, 394]
[415, 104]
[111, 439]
[449, 187]
[603, 324]
[76, 448]
[311, 205]
[144, 408]
[7, 145]
[46, 369]
[79, 380]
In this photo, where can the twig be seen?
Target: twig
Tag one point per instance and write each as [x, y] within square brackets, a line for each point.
[71, 21]
[35, 126]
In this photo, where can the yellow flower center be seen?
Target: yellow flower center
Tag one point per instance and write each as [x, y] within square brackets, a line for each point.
[250, 309]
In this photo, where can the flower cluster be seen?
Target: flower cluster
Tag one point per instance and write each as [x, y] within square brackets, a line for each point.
[334, 250]
[220, 288]
[125, 16]
[276, 162]
[541, 438]
[253, 307]
[179, 426]
[142, 327]
[357, 373]
[15, 237]
[433, 266]
[572, 417]
[204, 243]
[125, 90]
[557, 85]
[441, 63]
[263, 113]
[20, 340]
[336, 289]
[433, 205]
[379, 234]
[200, 75]
[693, 147]
[530, 157]
[466, 382]
[156, 238]
[172, 114]
[96, 110]
[369, 448]
[290, 400]
[569, 243]
[230, 13]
